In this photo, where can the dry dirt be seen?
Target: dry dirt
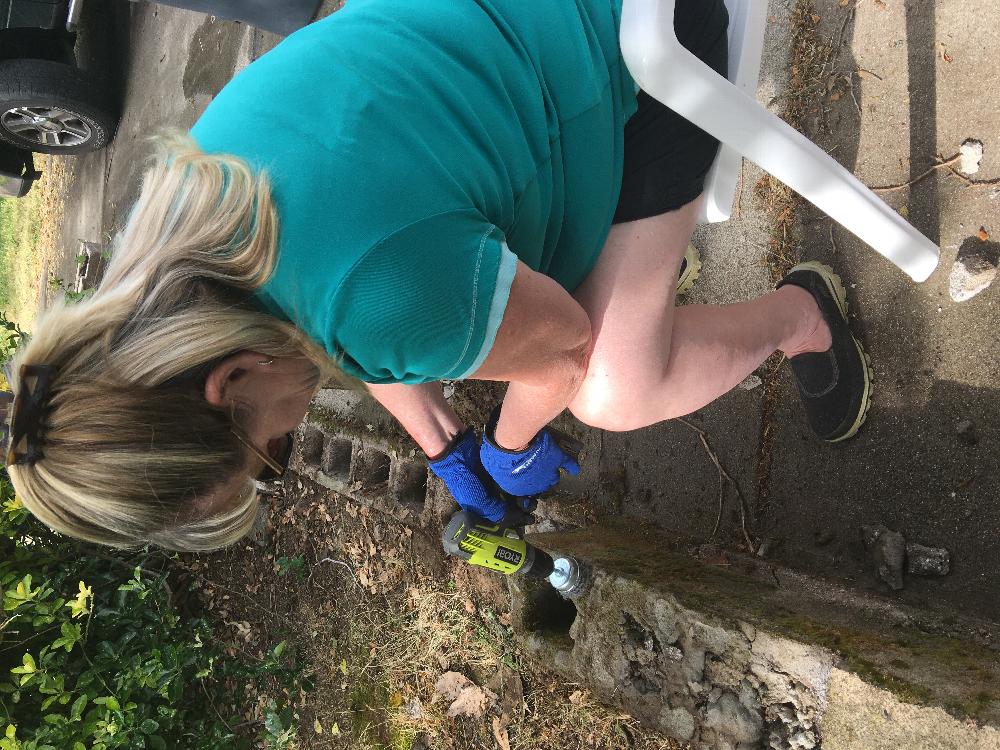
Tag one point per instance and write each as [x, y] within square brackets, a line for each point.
[377, 615]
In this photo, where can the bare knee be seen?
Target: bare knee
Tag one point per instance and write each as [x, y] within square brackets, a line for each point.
[619, 406]
[604, 405]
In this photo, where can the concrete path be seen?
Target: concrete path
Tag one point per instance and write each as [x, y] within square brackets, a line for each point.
[918, 72]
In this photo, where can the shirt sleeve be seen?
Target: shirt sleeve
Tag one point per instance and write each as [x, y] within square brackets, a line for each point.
[425, 303]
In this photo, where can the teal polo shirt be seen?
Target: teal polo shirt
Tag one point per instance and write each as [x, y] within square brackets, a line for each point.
[417, 149]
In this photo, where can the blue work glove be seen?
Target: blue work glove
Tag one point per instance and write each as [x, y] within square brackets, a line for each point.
[463, 474]
[529, 472]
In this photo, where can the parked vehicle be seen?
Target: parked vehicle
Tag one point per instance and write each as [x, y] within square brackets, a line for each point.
[49, 105]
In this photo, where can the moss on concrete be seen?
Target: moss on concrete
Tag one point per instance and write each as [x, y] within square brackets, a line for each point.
[920, 667]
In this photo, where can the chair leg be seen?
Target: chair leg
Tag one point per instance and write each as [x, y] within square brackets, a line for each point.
[671, 74]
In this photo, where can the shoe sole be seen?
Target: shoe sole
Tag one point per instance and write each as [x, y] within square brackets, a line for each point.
[691, 272]
[836, 287]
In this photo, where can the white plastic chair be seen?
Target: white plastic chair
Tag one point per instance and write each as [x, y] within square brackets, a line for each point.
[728, 110]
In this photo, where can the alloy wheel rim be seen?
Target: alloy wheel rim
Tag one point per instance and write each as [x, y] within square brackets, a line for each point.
[47, 126]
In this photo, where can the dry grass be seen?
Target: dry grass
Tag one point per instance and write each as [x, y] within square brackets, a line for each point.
[377, 616]
[29, 240]
[811, 74]
[396, 649]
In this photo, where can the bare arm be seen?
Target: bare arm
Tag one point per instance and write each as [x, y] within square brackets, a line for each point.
[541, 349]
[423, 412]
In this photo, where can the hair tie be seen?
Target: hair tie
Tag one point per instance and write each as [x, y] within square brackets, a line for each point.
[30, 407]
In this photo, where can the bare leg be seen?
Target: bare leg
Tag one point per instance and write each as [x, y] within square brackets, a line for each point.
[652, 361]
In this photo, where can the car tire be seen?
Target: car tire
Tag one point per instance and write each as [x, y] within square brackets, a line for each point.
[54, 108]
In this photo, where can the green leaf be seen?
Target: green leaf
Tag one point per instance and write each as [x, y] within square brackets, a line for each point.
[76, 710]
[29, 665]
[156, 742]
[79, 746]
[109, 702]
[148, 726]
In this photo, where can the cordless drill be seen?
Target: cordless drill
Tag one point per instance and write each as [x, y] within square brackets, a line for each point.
[503, 549]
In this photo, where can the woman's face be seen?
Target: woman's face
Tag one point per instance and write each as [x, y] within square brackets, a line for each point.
[269, 395]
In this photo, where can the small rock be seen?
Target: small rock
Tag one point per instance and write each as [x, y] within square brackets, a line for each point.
[927, 561]
[421, 742]
[751, 382]
[414, 709]
[733, 721]
[802, 741]
[974, 270]
[966, 431]
[971, 152]
[714, 694]
[448, 390]
[677, 722]
[673, 653]
[888, 549]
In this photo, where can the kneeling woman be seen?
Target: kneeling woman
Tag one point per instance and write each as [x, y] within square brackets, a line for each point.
[405, 193]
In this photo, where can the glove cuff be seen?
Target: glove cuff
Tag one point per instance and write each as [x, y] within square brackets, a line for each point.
[489, 434]
[452, 445]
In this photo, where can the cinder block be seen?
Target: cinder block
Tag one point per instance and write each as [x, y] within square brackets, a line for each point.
[337, 458]
[408, 485]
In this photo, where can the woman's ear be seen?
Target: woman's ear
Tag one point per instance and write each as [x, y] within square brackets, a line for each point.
[224, 382]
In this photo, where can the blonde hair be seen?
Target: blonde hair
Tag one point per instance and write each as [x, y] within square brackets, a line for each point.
[130, 443]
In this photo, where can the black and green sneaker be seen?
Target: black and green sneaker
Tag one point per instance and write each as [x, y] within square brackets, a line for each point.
[835, 385]
[690, 270]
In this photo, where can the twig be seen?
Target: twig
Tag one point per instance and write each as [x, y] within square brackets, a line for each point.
[341, 562]
[946, 163]
[871, 73]
[212, 704]
[723, 477]
[739, 195]
[833, 242]
[973, 183]
[853, 96]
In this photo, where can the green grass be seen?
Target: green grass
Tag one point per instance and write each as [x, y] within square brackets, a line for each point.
[20, 231]
[29, 239]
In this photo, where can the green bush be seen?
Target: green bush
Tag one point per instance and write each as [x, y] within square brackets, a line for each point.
[92, 655]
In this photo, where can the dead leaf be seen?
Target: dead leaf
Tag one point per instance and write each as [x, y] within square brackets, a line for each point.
[835, 96]
[500, 734]
[473, 702]
[451, 684]
[469, 606]
[396, 699]
[318, 727]
[844, 3]
[577, 698]
[815, 18]
[983, 235]
[942, 51]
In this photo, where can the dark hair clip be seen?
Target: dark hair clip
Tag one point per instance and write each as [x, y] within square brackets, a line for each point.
[29, 411]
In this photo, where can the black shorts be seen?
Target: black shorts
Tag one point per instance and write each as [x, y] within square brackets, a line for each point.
[666, 157]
